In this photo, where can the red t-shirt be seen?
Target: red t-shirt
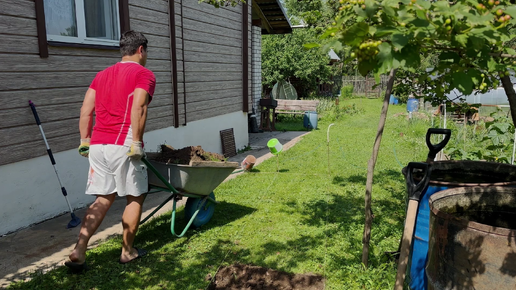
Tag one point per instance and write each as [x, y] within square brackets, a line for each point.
[114, 89]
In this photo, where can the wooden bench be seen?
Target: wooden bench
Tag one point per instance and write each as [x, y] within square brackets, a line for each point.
[296, 106]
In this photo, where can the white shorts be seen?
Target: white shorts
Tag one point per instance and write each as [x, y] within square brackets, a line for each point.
[111, 170]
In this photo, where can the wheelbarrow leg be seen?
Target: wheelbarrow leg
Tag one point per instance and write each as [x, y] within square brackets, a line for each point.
[173, 218]
[159, 207]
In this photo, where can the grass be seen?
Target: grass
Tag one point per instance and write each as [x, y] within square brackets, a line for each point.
[308, 217]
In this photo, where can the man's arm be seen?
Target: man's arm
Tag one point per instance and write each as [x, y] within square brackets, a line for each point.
[139, 113]
[86, 118]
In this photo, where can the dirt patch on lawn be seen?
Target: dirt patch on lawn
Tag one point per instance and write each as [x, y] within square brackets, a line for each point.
[246, 277]
[184, 155]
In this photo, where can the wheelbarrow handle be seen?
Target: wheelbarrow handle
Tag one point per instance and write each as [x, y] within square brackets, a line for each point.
[414, 189]
[435, 148]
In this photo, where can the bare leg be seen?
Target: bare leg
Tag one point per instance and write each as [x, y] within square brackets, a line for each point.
[130, 223]
[92, 220]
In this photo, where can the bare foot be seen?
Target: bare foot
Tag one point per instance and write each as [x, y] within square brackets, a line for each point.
[133, 255]
[76, 257]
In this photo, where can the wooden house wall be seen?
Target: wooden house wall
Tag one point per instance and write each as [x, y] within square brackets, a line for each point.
[212, 59]
[211, 72]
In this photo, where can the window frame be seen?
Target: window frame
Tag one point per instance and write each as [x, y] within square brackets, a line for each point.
[96, 43]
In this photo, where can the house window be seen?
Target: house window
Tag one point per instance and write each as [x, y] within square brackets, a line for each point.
[94, 22]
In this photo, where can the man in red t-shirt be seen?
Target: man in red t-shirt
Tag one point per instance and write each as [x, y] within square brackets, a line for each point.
[119, 96]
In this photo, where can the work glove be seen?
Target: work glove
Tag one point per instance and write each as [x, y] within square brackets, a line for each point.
[84, 148]
[136, 151]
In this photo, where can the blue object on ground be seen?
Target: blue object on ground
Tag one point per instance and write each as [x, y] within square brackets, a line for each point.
[205, 213]
[310, 120]
[393, 100]
[412, 105]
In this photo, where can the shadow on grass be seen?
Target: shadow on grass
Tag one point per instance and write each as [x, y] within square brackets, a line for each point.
[343, 214]
[161, 268]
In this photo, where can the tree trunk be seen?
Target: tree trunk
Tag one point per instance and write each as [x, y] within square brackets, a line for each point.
[370, 170]
[511, 95]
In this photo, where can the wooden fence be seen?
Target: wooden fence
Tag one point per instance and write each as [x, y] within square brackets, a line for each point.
[364, 85]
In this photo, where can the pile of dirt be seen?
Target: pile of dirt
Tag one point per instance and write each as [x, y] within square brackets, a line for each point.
[246, 277]
[184, 155]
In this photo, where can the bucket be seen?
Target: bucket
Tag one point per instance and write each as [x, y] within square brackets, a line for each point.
[248, 162]
[446, 175]
[274, 146]
[310, 120]
[412, 105]
[393, 100]
[473, 239]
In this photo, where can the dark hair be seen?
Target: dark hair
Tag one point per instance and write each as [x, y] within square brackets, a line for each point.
[130, 41]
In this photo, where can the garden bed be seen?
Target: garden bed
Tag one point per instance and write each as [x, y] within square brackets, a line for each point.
[247, 277]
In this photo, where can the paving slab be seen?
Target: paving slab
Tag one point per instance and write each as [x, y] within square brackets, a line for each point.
[46, 245]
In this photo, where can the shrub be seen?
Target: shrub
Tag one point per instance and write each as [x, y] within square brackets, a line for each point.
[346, 92]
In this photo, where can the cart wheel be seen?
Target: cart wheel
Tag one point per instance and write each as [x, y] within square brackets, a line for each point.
[205, 213]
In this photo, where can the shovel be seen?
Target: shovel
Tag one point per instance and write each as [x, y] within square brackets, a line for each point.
[414, 193]
[434, 149]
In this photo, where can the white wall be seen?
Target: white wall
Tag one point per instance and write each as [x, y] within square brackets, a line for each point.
[30, 192]
[204, 132]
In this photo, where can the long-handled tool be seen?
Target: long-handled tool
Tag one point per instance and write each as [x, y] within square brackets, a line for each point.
[414, 192]
[75, 220]
[415, 197]
[435, 148]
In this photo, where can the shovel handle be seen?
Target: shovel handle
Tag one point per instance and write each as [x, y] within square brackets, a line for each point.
[435, 148]
[406, 243]
[414, 189]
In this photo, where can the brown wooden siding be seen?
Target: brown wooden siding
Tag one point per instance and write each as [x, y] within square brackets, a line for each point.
[212, 74]
[213, 59]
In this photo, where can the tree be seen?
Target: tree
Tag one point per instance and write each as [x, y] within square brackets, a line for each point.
[285, 58]
[466, 38]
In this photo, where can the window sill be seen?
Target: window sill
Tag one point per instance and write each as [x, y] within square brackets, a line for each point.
[83, 45]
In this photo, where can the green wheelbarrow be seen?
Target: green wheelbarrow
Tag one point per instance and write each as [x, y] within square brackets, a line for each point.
[195, 181]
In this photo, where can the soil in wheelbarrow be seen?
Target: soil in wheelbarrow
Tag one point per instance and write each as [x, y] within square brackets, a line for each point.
[184, 155]
[247, 277]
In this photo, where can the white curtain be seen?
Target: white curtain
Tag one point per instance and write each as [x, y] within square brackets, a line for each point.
[60, 17]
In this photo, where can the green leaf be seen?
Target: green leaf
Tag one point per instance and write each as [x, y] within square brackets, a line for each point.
[364, 67]
[424, 3]
[475, 19]
[441, 6]
[356, 33]
[462, 39]
[383, 31]
[421, 14]
[311, 45]
[384, 58]
[450, 55]
[389, 11]
[511, 10]
[502, 127]
[370, 7]
[462, 82]
[491, 65]
[424, 24]
[399, 40]
[372, 30]
[359, 11]
[390, 3]
[329, 31]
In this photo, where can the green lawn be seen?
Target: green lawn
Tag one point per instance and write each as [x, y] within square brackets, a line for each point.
[308, 217]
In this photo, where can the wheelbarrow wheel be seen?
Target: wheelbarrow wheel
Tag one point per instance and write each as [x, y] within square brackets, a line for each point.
[205, 213]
